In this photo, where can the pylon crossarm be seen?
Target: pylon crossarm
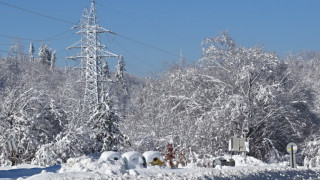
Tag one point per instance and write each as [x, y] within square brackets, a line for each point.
[75, 57]
[81, 31]
[108, 54]
[106, 30]
[75, 45]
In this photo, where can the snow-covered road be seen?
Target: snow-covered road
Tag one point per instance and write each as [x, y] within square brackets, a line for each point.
[86, 167]
[243, 172]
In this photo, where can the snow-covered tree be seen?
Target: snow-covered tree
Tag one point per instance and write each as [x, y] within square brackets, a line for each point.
[120, 70]
[46, 55]
[311, 151]
[16, 52]
[30, 112]
[105, 125]
[233, 91]
[32, 119]
[105, 70]
[31, 52]
[53, 59]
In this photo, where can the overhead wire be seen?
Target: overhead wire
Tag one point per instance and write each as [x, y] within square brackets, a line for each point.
[59, 34]
[69, 22]
[149, 24]
[151, 46]
[50, 38]
[152, 25]
[133, 55]
[15, 37]
[37, 13]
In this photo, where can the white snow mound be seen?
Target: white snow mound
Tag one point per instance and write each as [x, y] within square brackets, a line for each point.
[133, 159]
[110, 156]
[150, 155]
[88, 164]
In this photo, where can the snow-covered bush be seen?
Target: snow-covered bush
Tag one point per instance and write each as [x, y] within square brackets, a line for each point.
[68, 144]
[311, 152]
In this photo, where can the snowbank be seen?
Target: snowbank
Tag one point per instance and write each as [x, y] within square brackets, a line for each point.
[153, 158]
[239, 173]
[133, 160]
[92, 168]
[110, 156]
[99, 166]
[246, 160]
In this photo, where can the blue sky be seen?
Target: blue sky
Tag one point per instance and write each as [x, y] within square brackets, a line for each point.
[167, 25]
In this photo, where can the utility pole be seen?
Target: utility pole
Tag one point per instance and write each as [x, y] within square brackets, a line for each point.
[91, 56]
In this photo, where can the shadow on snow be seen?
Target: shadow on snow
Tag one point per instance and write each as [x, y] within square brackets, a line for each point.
[25, 172]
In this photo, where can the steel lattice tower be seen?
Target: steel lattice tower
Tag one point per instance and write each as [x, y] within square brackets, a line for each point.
[91, 55]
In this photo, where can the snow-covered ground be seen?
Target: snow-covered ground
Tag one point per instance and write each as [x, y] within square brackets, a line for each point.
[89, 168]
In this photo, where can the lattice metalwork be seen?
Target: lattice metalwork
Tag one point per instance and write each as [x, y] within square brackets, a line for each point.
[91, 55]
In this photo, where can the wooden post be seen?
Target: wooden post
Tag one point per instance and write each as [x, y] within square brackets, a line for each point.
[292, 149]
[13, 155]
[292, 158]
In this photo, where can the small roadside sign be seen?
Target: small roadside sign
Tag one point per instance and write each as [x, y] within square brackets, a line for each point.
[292, 147]
[238, 145]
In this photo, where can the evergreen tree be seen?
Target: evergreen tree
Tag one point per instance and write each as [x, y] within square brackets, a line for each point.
[53, 59]
[105, 70]
[31, 52]
[120, 70]
[45, 55]
[105, 125]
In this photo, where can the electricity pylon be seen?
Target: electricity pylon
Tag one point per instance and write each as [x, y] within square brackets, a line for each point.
[91, 55]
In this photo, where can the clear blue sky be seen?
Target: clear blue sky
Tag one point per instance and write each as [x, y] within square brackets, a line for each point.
[168, 25]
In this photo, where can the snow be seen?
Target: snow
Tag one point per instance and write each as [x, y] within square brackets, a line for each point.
[133, 159]
[25, 170]
[314, 143]
[110, 156]
[151, 155]
[90, 168]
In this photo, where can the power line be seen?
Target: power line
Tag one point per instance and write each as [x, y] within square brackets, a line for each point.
[15, 37]
[150, 46]
[58, 34]
[37, 13]
[50, 38]
[62, 20]
[135, 55]
[149, 24]
[147, 45]
[136, 68]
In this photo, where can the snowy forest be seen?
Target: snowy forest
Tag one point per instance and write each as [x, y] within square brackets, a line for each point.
[230, 91]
